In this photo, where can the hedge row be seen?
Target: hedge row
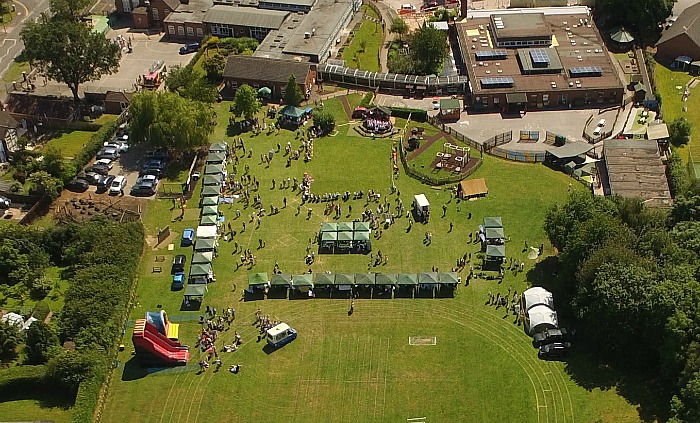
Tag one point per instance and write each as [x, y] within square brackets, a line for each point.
[417, 115]
[96, 142]
[367, 99]
[88, 396]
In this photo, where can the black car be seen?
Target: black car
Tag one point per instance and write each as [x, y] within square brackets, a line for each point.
[146, 188]
[548, 336]
[155, 171]
[179, 263]
[555, 350]
[78, 185]
[190, 48]
[97, 168]
[104, 183]
[159, 154]
[92, 177]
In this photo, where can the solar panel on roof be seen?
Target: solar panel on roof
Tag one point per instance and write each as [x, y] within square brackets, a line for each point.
[497, 82]
[539, 57]
[586, 71]
[491, 54]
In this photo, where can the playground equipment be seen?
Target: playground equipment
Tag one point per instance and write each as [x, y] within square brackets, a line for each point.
[453, 152]
[155, 341]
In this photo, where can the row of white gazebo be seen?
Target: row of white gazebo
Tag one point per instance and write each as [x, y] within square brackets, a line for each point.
[538, 306]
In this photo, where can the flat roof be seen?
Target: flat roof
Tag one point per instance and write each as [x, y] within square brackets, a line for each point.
[573, 45]
[245, 16]
[547, 11]
[635, 169]
[657, 132]
[520, 26]
[193, 12]
[291, 2]
[321, 22]
[571, 149]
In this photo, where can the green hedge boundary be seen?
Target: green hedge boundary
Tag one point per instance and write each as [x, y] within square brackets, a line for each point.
[96, 142]
[414, 114]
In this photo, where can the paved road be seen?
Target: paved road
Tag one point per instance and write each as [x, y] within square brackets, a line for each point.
[10, 43]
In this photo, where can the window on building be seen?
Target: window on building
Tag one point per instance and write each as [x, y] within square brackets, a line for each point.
[200, 32]
[496, 100]
[165, 12]
[180, 30]
[190, 31]
[155, 14]
[171, 29]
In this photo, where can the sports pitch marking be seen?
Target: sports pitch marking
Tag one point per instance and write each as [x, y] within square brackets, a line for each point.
[422, 340]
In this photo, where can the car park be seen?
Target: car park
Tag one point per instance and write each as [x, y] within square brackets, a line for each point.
[548, 336]
[77, 185]
[555, 350]
[104, 162]
[179, 263]
[5, 202]
[117, 186]
[144, 188]
[190, 48]
[187, 237]
[178, 281]
[104, 183]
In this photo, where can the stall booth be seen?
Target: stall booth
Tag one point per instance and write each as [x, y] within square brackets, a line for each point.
[210, 220]
[324, 283]
[207, 232]
[279, 285]
[216, 158]
[206, 244]
[302, 286]
[215, 180]
[344, 283]
[494, 258]
[215, 169]
[210, 200]
[193, 297]
[540, 318]
[406, 285]
[258, 285]
[447, 284]
[365, 283]
[218, 147]
[421, 208]
[201, 273]
[385, 284]
[209, 190]
[328, 241]
[202, 258]
[427, 284]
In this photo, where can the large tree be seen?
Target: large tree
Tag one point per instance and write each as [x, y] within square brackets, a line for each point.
[292, 94]
[189, 84]
[167, 120]
[69, 51]
[214, 65]
[642, 16]
[245, 102]
[398, 26]
[679, 130]
[69, 9]
[429, 49]
[41, 343]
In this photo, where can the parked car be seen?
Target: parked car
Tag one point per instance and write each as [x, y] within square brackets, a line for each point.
[98, 168]
[92, 177]
[119, 145]
[548, 336]
[108, 153]
[158, 154]
[105, 183]
[77, 185]
[145, 188]
[178, 281]
[104, 162]
[555, 350]
[190, 48]
[179, 263]
[5, 202]
[153, 179]
[187, 237]
[118, 185]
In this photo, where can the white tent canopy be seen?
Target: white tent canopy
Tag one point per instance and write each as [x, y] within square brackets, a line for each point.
[540, 318]
[13, 319]
[29, 323]
[538, 296]
[206, 232]
[421, 201]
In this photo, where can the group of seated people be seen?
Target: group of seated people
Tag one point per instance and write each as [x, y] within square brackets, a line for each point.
[377, 125]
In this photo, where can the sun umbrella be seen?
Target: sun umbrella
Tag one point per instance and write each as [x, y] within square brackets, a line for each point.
[264, 91]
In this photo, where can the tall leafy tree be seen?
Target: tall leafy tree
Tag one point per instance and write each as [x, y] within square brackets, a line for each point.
[9, 340]
[69, 9]
[292, 93]
[399, 27]
[68, 51]
[214, 65]
[679, 130]
[164, 119]
[45, 185]
[642, 16]
[186, 82]
[41, 343]
[245, 102]
[429, 49]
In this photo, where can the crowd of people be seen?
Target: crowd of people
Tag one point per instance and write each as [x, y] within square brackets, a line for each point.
[212, 326]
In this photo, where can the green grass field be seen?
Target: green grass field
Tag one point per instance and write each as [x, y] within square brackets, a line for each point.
[672, 104]
[361, 368]
[70, 143]
[372, 34]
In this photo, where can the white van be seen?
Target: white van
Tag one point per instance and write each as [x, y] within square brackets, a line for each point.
[601, 123]
[597, 131]
[408, 8]
[118, 185]
[281, 334]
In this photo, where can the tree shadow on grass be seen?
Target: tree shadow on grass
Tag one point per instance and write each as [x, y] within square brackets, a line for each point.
[588, 367]
[45, 395]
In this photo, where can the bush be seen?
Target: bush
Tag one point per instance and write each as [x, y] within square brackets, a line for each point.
[367, 99]
[325, 121]
[41, 343]
[96, 142]
[40, 288]
[41, 310]
[678, 179]
[417, 115]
